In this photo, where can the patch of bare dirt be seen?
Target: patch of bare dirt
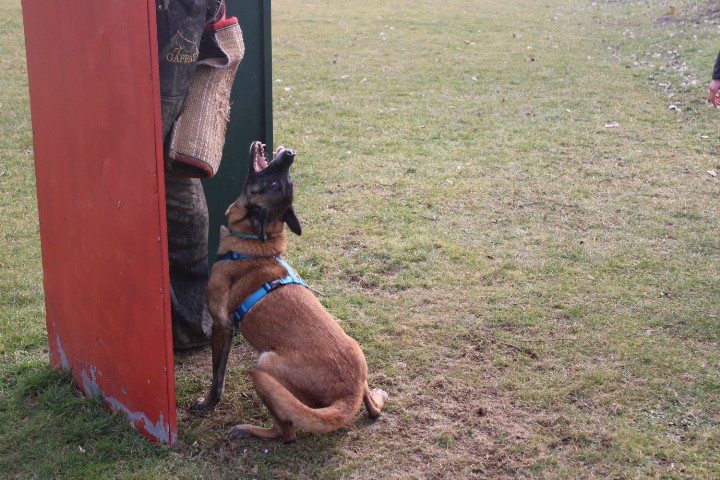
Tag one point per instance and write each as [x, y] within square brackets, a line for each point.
[695, 14]
[709, 13]
[436, 425]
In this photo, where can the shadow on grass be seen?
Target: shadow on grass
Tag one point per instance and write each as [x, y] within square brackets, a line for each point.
[203, 440]
[56, 432]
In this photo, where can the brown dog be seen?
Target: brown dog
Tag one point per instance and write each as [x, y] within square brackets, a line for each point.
[309, 373]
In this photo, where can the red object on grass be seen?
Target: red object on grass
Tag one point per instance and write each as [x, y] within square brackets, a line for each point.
[94, 95]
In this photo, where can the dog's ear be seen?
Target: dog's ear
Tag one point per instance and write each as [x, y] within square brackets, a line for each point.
[292, 221]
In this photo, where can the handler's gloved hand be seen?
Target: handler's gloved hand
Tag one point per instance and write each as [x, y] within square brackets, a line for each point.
[198, 136]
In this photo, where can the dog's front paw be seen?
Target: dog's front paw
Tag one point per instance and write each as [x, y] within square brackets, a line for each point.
[202, 405]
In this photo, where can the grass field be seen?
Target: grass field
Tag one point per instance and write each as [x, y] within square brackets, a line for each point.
[507, 204]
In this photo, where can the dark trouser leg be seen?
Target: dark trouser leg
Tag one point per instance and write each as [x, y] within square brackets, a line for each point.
[187, 222]
[180, 25]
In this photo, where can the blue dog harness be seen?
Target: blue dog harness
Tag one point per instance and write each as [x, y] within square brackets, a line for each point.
[268, 287]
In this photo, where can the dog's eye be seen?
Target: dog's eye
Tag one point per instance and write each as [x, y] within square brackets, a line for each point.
[274, 185]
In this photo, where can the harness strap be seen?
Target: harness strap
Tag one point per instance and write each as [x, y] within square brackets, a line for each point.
[291, 278]
[233, 255]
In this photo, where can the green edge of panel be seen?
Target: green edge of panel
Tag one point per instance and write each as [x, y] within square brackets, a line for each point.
[250, 114]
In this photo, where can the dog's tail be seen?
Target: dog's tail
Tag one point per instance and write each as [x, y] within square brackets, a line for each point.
[286, 406]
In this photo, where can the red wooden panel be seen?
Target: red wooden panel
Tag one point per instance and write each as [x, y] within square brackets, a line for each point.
[92, 68]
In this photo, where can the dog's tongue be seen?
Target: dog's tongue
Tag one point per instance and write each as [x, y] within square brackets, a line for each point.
[259, 157]
[259, 160]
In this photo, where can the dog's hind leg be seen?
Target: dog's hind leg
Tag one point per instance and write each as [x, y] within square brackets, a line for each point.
[282, 429]
[374, 401]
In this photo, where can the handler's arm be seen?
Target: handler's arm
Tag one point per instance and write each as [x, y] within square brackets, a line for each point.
[715, 83]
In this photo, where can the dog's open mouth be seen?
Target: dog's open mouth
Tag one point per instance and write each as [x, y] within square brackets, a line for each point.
[259, 156]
